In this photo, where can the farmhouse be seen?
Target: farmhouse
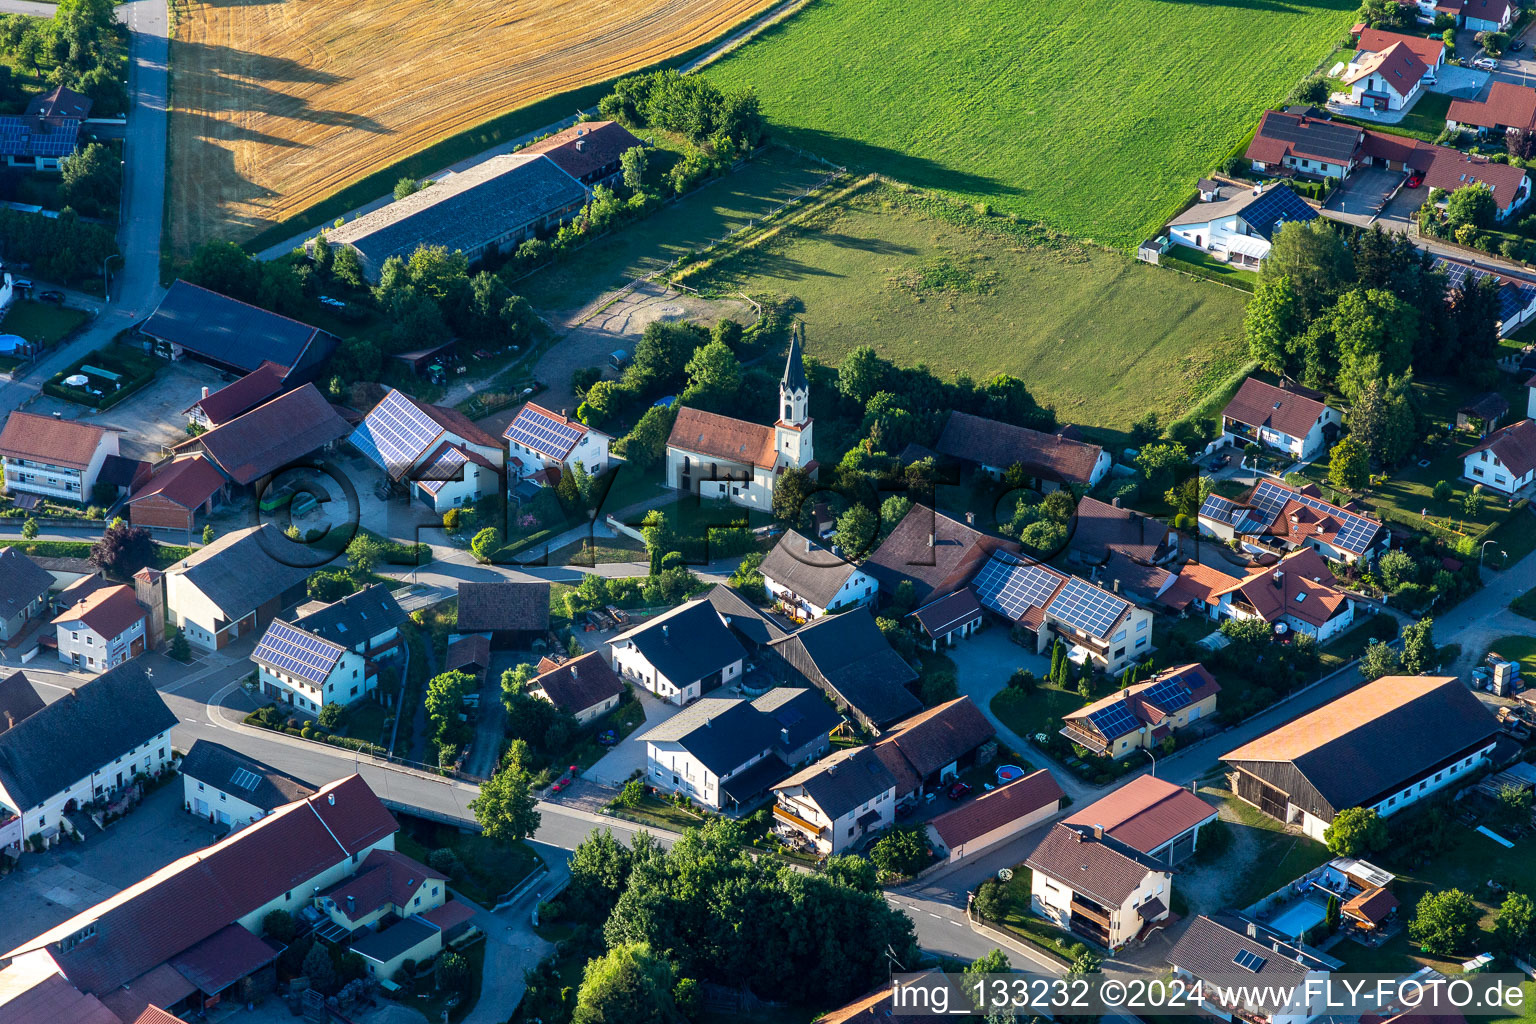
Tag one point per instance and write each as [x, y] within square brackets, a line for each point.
[848, 658]
[1293, 419]
[1505, 460]
[101, 630]
[1383, 746]
[367, 622]
[193, 322]
[722, 457]
[1389, 79]
[1096, 886]
[1050, 461]
[1143, 715]
[1152, 816]
[47, 133]
[1240, 229]
[1101, 530]
[515, 614]
[251, 447]
[258, 387]
[53, 458]
[234, 586]
[928, 750]
[539, 439]
[233, 789]
[297, 669]
[995, 817]
[1277, 518]
[85, 745]
[450, 461]
[177, 493]
[1507, 108]
[585, 688]
[1309, 146]
[936, 554]
[807, 581]
[588, 151]
[24, 587]
[680, 655]
[834, 803]
[1225, 947]
[1297, 594]
[487, 209]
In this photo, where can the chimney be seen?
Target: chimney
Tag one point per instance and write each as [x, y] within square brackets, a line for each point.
[351, 905]
[205, 392]
[807, 545]
[1253, 930]
[575, 670]
[707, 724]
[665, 631]
[784, 736]
[580, 145]
[1098, 831]
[970, 519]
[1279, 578]
[930, 535]
[562, 414]
[330, 798]
[58, 415]
[1115, 501]
[1117, 586]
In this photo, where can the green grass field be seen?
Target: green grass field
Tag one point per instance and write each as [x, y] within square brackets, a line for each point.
[42, 323]
[1096, 118]
[1100, 337]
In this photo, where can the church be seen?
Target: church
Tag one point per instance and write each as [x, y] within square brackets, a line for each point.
[721, 457]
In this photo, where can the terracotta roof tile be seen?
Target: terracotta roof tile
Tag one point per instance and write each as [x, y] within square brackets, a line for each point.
[1377, 40]
[1290, 411]
[992, 443]
[1145, 813]
[107, 612]
[1507, 106]
[1105, 869]
[940, 735]
[243, 395]
[1017, 799]
[723, 437]
[1305, 588]
[271, 435]
[580, 683]
[586, 148]
[187, 481]
[1514, 446]
[50, 441]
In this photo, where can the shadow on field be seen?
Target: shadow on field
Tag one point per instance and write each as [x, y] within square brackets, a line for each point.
[230, 81]
[256, 65]
[862, 156]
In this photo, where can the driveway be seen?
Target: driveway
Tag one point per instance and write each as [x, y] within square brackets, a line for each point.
[150, 420]
[616, 766]
[1359, 200]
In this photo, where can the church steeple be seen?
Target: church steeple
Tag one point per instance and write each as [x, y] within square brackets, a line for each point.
[792, 433]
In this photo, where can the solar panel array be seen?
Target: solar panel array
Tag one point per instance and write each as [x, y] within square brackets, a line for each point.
[1170, 694]
[1513, 296]
[245, 779]
[296, 652]
[1091, 609]
[1355, 532]
[1217, 507]
[1115, 720]
[1248, 960]
[1266, 213]
[1012, 588]
[543, 434]
[395, 434]
[20, 136]
[447, 465]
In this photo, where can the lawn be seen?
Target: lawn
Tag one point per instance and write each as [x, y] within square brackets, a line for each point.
[492, 869]
[1263, 856]
[1525, 604]
[924, 280]
[1425, 121]
[1206, 265]
[724, 206]
[659, 813]
[1037, 931]
[41, 323]
[1027, 714]
[365, 721]
[1518, 648]
[1096, 118]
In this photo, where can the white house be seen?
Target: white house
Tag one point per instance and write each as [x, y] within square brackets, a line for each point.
[834, 803]
[680, 655]
[53, 458]
[538, 439]
[1488, 15]
[1238, 225]
[447, 460]
[1290, 419]
[1391, 79]
[101, 630]
[1297, 594]
[1096, 886]
[1530, 398]
[86, 745]
[1505, 460]
[1268, 978]
[234, 586]
[718, 456]
[366, 623]
[299, 669]
[806, 580]
[720, 753]
[230, 788]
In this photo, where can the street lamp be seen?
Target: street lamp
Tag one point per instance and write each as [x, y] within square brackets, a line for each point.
[1482, 551]
[106, 277]
[1144, 750]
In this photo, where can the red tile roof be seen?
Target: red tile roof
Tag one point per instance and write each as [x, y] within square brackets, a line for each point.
[272, 435]
[450, 915]
[1508, 105]
[155, 1015]
[107, 611]
[385, 879]
[1018, 799]
[1293, 411]
[1054, 457]
[186, 481]
[1302, 575]
[586, 148]
[243, 395]
[1397, 66]
[1450, 169]
[50, 441]
[1514, 446]
[1376, 40]
[723, 437]
[1146, 813]
[56, 1001]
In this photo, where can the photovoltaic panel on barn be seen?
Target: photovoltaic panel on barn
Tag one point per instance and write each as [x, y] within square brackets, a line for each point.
[297, 653]
[448, 464]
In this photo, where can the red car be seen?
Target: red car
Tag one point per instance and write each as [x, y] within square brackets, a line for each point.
[1415, 179]
[958, 790]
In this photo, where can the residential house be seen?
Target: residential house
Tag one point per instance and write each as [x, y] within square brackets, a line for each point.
[1240, 228]
[1276, 518]
[724, 753]
[929, 750]
[1144, 714]
[1487, 15]
[722, 457]
[585, 688]
[53, 458]
[1389, 79]
[515, 614]
[120, 476]
[1298, 594]
[1430, 50]
[298, 669]
[1196, 589]
[102, 630]
[258, 387]
[1449, 169]
[194, 322]
[1050, 461]
[681, 654]
[753, 627]
[448, 461]
[1151, 816]
[539, 440]
[936, 554]
[250, 448]
[226, 786]
[1505, 460]
[807, 581]
[588, 151]
[24, 587]
[804, 719]
[1310, 146]
[1095, 886]
[1385, 746]
[1140, 583]
[481, 211]
[953, 617]
[1507, 108]
[186, 936]
[1517, 297]
[232, 587]
[848, 658]
[393, 910]
[1225, 948]
[838, 801]
[86, 745]
[47, 133]
[1102, 529]
[1481, 413]
[367, 622]
[996, 817]
[1292, 419]
[177, 494]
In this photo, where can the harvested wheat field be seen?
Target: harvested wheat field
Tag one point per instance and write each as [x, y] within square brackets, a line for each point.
[278, 104]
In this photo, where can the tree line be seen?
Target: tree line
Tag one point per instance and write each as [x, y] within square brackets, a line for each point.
[78, 48]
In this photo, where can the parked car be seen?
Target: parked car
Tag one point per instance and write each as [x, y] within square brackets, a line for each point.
[1221, 461]
[1486, 64]
[21, 284]
[1517, 46]
[57, 298]
[959, 790]
[1415, 179]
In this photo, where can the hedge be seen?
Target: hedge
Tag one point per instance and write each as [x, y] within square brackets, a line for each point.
[100, 358]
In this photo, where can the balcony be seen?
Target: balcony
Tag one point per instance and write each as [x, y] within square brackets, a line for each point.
[1089, 740]
[784, 814]
[1090, 911]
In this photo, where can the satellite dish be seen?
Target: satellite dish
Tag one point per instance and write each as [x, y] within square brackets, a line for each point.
[1004, 874]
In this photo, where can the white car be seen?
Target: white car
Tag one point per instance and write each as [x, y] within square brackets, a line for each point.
[1486, 64]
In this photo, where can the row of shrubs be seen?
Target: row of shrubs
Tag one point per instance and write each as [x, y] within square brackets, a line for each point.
[270, 717]
[80, 396]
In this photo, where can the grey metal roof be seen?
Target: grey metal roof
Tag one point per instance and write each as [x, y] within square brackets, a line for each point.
[22, 581]
[227, 330]
[466, 210]
[687, 643]
[806, 568]
[245, 569]
[799, 713]
[80, 732]
[355, 618]
[262, 785]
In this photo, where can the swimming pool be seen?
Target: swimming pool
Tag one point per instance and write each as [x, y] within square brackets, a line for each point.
[1295, 920]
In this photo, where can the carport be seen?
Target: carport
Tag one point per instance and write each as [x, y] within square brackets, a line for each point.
[1359, 199]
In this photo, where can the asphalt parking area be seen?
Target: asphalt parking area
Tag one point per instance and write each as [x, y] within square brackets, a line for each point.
[1360, 198]
[152, 418]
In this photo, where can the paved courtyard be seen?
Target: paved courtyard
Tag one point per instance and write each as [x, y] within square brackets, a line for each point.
[615, 767]
[151, 419]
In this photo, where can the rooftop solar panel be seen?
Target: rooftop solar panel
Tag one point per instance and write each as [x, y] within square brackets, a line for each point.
[1355, 532]
[448, 465]
[1011, 588]
[244, 778]
[1115, 720]
[1086, 607]
[1275, 207]
[395, 434]
[543, 434]
[296, 652]
[1170, 694]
